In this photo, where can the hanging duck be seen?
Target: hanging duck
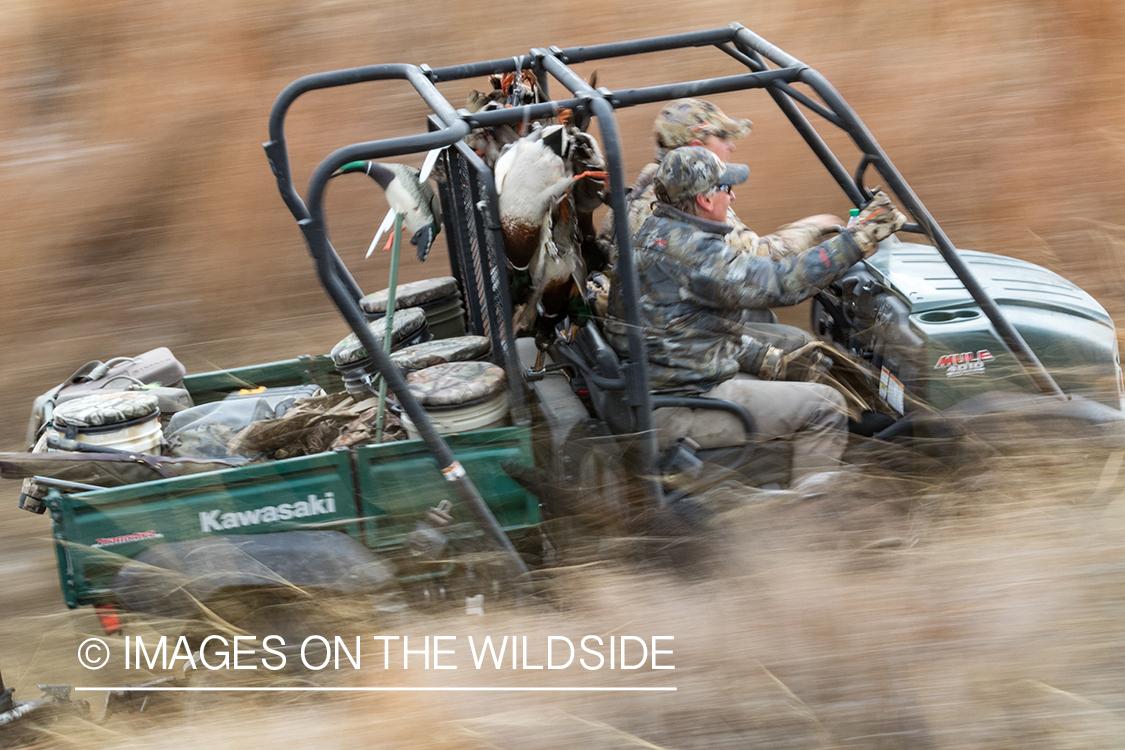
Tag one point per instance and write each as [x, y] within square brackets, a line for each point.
[531, 179]
[409, 194]
[538, 179]
[584, 157]
[508, 90]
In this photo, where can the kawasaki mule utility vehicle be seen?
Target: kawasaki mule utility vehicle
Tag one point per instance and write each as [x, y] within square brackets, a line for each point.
[934, 333]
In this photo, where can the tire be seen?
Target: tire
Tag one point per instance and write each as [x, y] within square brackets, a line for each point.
[597, 493]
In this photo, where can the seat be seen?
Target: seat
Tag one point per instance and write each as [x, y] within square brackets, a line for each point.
[441, 351]
[608, 386]
[352, 361]
[439, 299]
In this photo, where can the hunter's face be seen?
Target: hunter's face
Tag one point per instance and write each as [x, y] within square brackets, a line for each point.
[720, 147]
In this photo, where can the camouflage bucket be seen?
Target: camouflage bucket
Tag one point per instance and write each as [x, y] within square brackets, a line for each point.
[123, 420]
[409, 327]
[357, 369]
[459, 397]
[447, 320]
[439, 298]
[424, 294]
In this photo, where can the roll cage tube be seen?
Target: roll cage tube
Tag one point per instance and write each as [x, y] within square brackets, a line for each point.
[340, 285]
[873, 153]
[748, 49]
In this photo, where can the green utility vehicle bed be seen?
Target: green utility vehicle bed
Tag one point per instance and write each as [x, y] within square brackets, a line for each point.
[373, 493]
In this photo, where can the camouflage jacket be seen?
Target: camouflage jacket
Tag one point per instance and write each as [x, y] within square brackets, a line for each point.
[790, 239]
[694, 286]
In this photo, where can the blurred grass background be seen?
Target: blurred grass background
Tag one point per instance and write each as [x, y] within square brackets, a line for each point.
[143, 212]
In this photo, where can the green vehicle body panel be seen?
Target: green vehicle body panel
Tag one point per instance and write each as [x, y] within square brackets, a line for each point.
[373, 493]
[171, 508]
[1068, 330]
[213, 386]
[393, 476]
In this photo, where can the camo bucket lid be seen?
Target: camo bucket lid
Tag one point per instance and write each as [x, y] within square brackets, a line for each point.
[415, 294]
[455, 384]
[406, 323]
[441, 351]
[109, 409]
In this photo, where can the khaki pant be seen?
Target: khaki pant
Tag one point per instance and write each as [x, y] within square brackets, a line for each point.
[811, 416]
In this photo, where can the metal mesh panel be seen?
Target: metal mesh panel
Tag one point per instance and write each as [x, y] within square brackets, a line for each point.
[458, 199]
[494, 261]
[477, 258]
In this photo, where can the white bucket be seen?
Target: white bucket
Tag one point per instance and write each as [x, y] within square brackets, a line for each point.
[145, 437]
[125, 421]
[488, 414]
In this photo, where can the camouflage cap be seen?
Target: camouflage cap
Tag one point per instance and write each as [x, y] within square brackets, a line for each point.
[691, 171]
[684, 120]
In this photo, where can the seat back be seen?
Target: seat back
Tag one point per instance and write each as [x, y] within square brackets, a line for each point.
[610, 403]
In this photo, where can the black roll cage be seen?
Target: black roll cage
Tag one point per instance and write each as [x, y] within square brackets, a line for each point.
[769, 68]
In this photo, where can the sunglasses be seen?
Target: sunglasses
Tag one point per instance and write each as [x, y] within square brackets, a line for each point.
[725, 188]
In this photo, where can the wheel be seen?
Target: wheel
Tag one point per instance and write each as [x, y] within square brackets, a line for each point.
[595, 480]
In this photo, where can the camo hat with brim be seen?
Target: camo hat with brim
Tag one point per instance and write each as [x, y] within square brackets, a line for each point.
[684, 120]
[691, 171]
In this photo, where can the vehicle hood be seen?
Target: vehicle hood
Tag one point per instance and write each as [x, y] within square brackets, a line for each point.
[921, 276]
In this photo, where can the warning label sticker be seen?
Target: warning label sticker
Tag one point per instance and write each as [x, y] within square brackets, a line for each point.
[891, 391]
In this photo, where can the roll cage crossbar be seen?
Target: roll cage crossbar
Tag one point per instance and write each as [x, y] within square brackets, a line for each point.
[769, 68]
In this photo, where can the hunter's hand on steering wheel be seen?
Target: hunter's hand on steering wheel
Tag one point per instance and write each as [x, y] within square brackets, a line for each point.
[878, 220]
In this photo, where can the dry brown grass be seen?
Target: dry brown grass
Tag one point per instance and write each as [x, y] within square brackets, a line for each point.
[982, 610]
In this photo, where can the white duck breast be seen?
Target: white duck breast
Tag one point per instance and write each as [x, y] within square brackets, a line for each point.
[531, 179]
[414, 218]
[537, 179]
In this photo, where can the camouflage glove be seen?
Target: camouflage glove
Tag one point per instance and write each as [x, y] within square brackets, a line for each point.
[597, 293]
[770, 368]
[878, 220]
[808, 364]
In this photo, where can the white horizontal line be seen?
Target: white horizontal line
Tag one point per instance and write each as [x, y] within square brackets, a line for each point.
[385, 689]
